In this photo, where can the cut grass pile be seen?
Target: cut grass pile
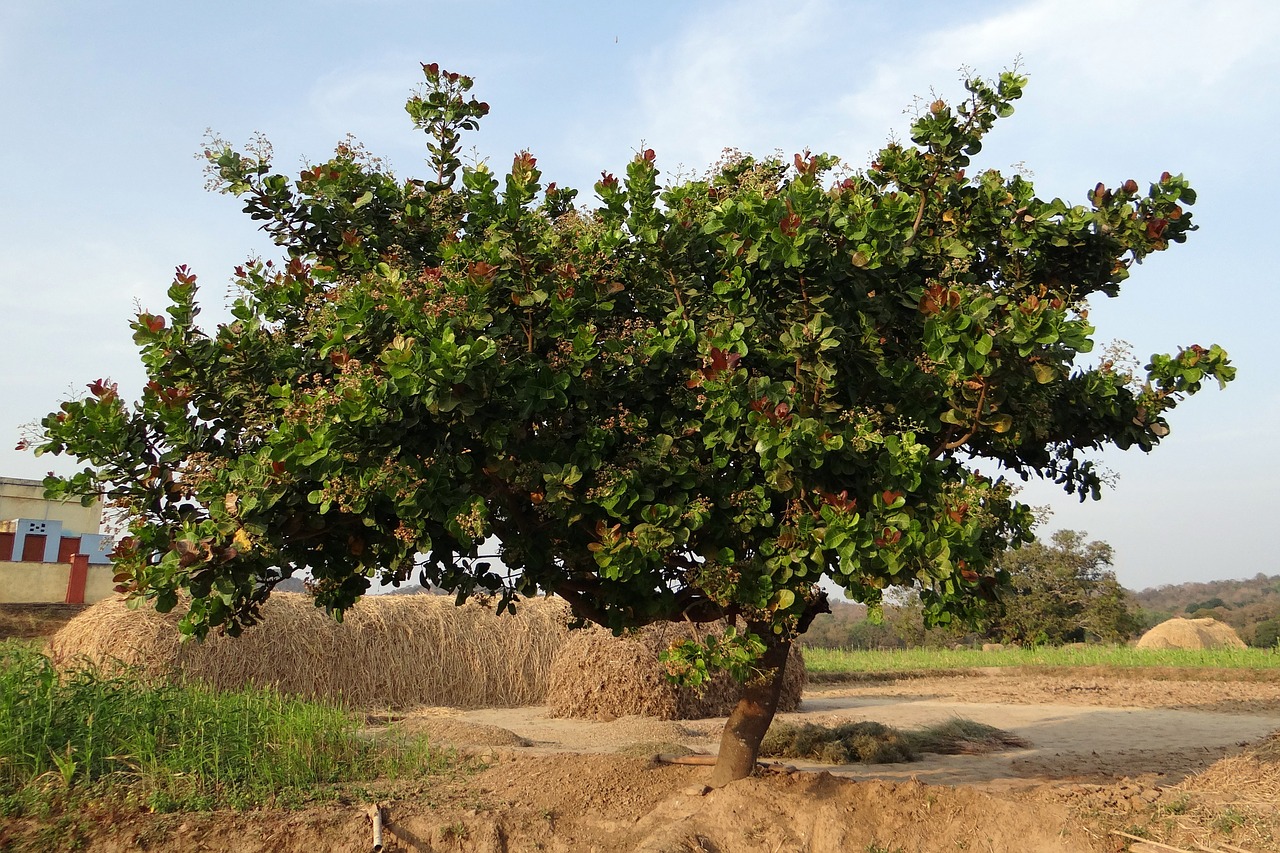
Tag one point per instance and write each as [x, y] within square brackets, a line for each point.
[869, 742]
[835, 661]
[80, 734]
[390, 651]
[597, 676]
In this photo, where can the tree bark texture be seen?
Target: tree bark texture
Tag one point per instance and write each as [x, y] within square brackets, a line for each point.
[740, 743]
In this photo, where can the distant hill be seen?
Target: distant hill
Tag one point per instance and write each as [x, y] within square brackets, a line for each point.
[1250, 606]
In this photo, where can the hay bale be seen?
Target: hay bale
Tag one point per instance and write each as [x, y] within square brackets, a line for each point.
[598, 676]
[389, 651]
[1180, 633]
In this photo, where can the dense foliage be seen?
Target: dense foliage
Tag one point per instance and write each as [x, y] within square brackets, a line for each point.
[1063, 592]
[682, 403]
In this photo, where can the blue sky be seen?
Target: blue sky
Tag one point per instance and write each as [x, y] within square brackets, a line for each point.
[105, 105]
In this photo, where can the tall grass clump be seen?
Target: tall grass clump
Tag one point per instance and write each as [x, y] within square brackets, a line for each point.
[175, 747]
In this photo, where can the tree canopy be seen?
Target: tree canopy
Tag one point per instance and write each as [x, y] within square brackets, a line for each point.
[689, 401]
[1063, 592]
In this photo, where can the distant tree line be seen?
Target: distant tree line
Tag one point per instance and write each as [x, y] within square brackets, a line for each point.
[1063, 591]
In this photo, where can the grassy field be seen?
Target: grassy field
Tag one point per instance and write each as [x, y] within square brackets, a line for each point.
[67, 738]
[838, 661]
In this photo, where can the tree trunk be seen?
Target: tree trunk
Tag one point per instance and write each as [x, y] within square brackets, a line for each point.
[740, 743]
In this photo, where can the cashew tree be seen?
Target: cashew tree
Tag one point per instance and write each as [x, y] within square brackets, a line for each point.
[690, 401]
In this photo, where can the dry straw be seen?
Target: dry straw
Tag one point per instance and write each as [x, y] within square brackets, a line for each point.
[1182, 633]
[390, 651]
[598, 676]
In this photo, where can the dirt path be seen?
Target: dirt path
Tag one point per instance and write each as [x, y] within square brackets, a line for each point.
[1079, 729]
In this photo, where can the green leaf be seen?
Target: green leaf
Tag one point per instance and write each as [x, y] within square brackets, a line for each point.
[1044, 373]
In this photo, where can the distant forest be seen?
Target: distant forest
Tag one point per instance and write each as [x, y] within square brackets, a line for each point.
[1251, 607]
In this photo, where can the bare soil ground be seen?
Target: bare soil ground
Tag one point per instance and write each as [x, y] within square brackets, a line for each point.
[1161, 755]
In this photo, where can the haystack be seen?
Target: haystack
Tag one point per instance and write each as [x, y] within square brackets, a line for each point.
[389, 651]
[1179, 633]
[598, 676]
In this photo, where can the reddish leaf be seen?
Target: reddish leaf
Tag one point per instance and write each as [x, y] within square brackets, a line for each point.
[102, 389]
[720, 362]
[184, 277]
[480, 271]
[841, 501]
[933, 299]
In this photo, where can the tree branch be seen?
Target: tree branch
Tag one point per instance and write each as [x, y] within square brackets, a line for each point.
[959, 442]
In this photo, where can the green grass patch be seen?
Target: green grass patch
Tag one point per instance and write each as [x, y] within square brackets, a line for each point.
[66, 736]
[869, 742]
[842, 661]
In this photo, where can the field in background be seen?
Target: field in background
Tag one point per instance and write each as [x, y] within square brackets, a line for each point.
[838, 661]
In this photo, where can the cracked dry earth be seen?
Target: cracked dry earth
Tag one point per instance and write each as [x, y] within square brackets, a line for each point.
[1163, 756]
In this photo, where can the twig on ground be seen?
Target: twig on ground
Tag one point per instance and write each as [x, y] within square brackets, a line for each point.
[1152, 843]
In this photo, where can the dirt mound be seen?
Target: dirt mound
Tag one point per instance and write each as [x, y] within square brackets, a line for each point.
[459, 732]
[614, 803]
[1182, 633]
[389, 651]
[598, 676]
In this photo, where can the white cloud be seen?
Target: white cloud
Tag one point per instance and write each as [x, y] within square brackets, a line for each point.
[1085, 56]
[819, 74]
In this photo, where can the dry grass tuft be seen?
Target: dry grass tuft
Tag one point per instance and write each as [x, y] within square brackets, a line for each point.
[851, 743]
[390, 651]
[959, 736]
[1180, 633]
[598, 676]
[1236, 798]
[868, 742]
